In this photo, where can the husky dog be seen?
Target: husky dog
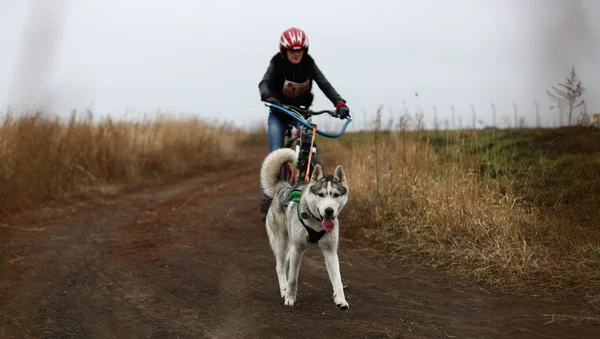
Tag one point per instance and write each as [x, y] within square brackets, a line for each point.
[300, 215]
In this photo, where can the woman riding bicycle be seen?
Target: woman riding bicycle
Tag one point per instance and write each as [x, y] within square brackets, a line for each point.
[288, 80]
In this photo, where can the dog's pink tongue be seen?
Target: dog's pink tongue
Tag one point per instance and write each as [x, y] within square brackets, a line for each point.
[327, 224]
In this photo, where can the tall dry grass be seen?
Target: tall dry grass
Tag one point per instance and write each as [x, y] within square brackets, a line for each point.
[43, 158]
[441, 212]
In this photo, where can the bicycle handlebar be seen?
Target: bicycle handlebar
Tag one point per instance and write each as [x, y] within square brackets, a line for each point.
[296, 113]
[309, 112]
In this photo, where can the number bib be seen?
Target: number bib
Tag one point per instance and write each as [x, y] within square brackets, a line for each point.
[295, 89]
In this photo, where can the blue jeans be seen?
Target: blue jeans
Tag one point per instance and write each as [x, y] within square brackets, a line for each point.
[276, 129]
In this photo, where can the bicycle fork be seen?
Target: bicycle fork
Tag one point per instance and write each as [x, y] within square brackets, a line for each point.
[302, 151]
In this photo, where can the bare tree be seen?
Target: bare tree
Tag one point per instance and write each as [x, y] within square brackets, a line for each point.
[569, 93]
[584, 118]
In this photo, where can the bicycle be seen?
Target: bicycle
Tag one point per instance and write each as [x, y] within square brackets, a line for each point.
[303, 142]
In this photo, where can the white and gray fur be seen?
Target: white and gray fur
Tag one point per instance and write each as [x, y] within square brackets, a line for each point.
[323, 196]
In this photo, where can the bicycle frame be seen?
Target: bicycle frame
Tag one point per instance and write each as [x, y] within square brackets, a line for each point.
[303, 149]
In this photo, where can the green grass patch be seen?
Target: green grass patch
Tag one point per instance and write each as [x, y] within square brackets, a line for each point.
[553, 169]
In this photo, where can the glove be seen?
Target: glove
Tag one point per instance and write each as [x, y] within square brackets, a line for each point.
[272, 100]
[343, 111]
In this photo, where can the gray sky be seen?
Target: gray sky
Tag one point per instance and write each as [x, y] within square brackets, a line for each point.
[206, 57]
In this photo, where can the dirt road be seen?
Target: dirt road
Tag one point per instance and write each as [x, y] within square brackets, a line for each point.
[191, 260]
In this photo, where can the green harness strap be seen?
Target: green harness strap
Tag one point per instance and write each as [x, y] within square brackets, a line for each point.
[294, 196]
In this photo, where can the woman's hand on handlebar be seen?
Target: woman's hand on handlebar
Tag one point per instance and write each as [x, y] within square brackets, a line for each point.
[342, 111]
[272, 100]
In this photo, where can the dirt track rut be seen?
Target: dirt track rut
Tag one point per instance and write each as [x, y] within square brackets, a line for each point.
[191, 260]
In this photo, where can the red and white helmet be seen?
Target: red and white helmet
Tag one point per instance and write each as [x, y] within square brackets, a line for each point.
[293, 39]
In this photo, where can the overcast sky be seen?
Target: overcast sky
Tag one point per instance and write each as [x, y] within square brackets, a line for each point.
[207, 57]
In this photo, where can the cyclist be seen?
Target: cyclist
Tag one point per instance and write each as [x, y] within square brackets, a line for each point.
[288, 80]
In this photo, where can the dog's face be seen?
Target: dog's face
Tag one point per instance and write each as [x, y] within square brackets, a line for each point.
[327, 195]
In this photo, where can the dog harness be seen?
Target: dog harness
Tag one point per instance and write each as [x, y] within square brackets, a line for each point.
[294, 196]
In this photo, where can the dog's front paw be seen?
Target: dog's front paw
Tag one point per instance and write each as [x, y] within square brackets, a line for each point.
[341, 303]
[290, 294]
[289, 300]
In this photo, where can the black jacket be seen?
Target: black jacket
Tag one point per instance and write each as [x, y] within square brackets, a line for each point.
[297, 80]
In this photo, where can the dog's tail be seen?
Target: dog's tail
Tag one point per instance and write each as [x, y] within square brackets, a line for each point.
[270, 171]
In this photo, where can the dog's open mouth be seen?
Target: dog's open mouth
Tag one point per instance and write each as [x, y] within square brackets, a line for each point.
[328, 224]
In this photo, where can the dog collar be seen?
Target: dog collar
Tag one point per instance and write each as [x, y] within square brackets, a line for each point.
[305, 216]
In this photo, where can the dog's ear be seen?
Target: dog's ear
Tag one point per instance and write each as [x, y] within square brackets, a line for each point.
[339, 175]
[317, 174]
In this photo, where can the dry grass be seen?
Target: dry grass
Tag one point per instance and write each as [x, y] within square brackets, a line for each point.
[442, 213]
[43, 158]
